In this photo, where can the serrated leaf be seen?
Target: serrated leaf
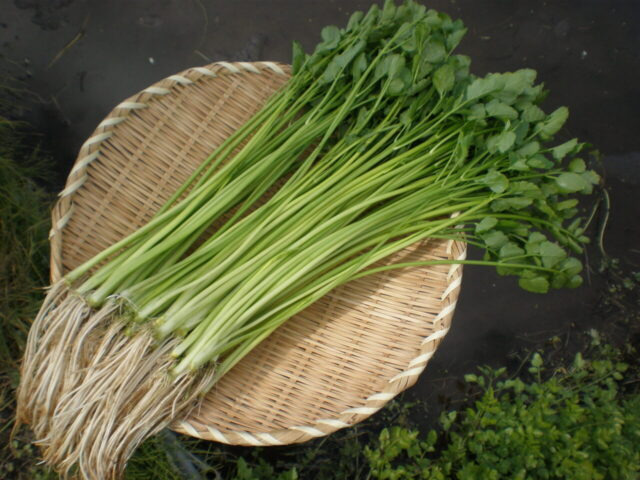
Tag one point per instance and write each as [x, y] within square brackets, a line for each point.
[510, 250]
[454, 38]
[434, 51]
[330, 73]
[534, 284]
[571, 266]
[410, 42]
[529, 149]
[359, 66]
[501, 142]
[540, 161]
[395, 65]
[486, 224]
[495, 239]
[498, 109]
[569, 182]
[560, 151]
[476, 112]
[532, 113]
[536, 237]
[496, 181]
[527, 189]
[444, 78]
[554, 122]
[483, 86]
[521, 129]
[330, 38]
[518, 163]
[512, 203]
[297, 57]
[388, 11]
[519, 80]
[551, 254]
[591, 177]
[349, 54]
[354, 20]
[396, 87]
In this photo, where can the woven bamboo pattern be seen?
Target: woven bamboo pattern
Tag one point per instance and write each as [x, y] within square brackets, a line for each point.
[332, 365]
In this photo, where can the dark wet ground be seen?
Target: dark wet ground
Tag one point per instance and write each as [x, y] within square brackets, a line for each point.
[587, 53]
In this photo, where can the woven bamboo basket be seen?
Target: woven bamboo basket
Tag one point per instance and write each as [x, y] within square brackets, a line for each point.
[332, 365]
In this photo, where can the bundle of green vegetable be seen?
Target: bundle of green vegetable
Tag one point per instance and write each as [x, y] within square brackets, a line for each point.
[381, 138]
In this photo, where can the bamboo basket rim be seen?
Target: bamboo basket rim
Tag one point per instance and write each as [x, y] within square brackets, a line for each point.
[310, 428]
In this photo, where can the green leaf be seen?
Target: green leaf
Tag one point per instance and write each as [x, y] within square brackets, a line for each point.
[569, 182]
[540, 161]
[529, 149]
[410, 41]
[498, 109]
[495, 239]
[577, 165]
[532, 113]
[591, 177]
[521, 129]
[483, 86]
[554, 122]
[571, 203]
[527, 189]
[388, 11]
[537, 284]
[297, 57]
[532, 246]
[330, 73]
[434, 51]
[510, 250]
[359, 66]
[454, 38]
[518, 163]
[395, 65]
[486, 224]
[560, 151]
[516, 82]
[575, 281]
[536, 360]
[470, 378]
[330, 36]
[551, 254]
[570, 266]
[501, 142]
[354, 20]
[444, 78]
[512, 203]
[496, 181]
[349, 54]
[396, 87]
[476, 112]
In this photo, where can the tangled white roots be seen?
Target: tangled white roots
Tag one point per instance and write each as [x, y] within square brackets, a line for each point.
[91, 392]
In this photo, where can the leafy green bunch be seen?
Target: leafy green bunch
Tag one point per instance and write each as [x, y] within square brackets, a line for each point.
[400, 60]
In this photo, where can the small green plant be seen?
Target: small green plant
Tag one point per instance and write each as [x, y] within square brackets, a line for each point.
[575, 424]
[24, 246]
[24, 257]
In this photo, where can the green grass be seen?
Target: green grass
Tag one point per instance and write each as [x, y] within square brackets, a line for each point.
[24, 247]
[24, 257]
